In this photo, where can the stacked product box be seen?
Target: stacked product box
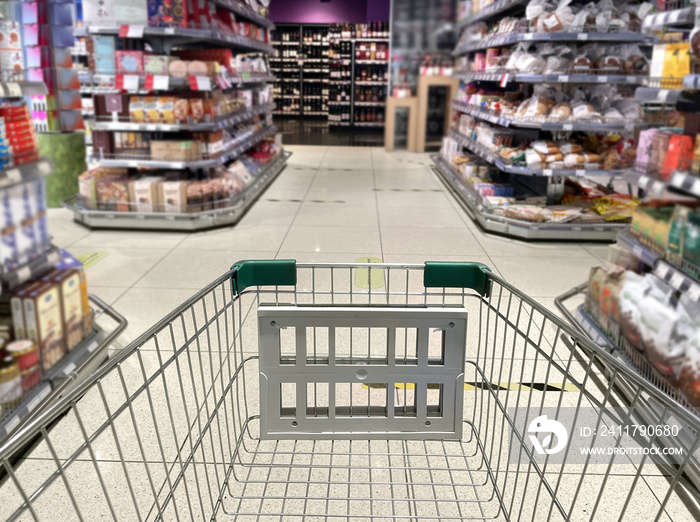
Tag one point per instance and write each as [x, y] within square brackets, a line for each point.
[18, 141]
[53, 311]
[23, 225]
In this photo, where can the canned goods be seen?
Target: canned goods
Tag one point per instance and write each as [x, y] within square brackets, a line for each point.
[24, 352]
[10, 383]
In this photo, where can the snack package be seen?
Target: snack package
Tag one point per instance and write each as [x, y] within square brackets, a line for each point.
[569, 148]
[689, 372]
[691, 239]
[579, 159]
[136, 112]
[678, 155]
[166, 109]
[556, 21]
[632, 293]
[545, 147]
[610, 294]
[181, 110]
[150, 109]
[656, 326]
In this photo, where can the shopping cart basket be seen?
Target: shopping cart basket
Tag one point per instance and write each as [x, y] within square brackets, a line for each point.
[289, 391]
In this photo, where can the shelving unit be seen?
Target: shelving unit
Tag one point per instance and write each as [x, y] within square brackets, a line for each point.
[532, 128]
[247, 126]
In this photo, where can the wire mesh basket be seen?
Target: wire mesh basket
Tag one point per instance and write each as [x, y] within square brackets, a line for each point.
[426, 425]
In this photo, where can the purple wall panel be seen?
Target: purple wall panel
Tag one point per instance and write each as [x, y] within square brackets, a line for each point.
[317, 12]
[378, 10]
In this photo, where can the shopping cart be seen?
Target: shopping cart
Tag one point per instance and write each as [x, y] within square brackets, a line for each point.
[288, 391]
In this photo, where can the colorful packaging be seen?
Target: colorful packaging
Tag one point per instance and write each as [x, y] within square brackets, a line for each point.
[156, 65]
[68, 261]
[678, 155]
[71, 306]
[167, 13]
[129, 62]
[43, 321]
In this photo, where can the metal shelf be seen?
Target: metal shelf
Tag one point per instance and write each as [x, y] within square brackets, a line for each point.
[317, 113]
[686, 184]
[372, 39]
[372, 62]
[88, 81]
[369, 124]
[370, 104]
[240, 42]
[285, 43]
[381, 84]
[492, 10]
[513, 38]
[243, 11]
[29, 268]
[83, 360]
[677, 17]
[644, 254]
[234, 149]
[501, 165]
[25, 172]
[480, 213]
[656, 95]
[183, 221]
[220, 123]
[314, 80]
[330, 102]
[21, 88]
[505, 121]
[551, 78]
[339, 123]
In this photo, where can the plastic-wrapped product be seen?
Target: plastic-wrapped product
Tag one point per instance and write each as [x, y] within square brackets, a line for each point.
[580, 159]
[557, 21]
[569, 148]
[631, 295]
[561, 111]
[545, 147]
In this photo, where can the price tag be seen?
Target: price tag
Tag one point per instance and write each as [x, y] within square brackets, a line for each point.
[581, 173]
[629, 127]
[132, 164]
[131, 31]
[694, 292]
[637, 252]
[24, 273]
[674, 16]
[13, 89]
[662, 95]
[151, 128]
[583, 36]
[126, 82]
[504, 80]
[564, 78]
[200, 83]
[696, 187]
[648, 21]
[13, 175]
[602, 79]
[169, 30]
[547, 172]
[567, 126]
[677, 280]
[657, 187]
[528, 36]
[662, 270]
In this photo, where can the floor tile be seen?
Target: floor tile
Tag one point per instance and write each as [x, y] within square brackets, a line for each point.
[109, 294]
[256, 239]
[420, 217]
[209, 265]
[356, 198]
[599, 250]
[406, 179]
[358, 240]
[63, 229]
[544, 276]
[333, 215]
[129, 239]
[412, 199]
[268, 213]
[430, 241]
[121, 266]
[506, 247]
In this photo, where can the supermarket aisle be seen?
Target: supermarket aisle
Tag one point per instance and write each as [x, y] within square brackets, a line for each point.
[331, 204]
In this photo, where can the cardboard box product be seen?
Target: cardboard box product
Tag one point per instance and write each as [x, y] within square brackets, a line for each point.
[678, 156]
[44, 323]
[67, 261]
[104, 49]
[99, 13]
[167, 13]
[659, 145]
[129, 62]
[223, 57]
[71, 306]
[113, 194]
[174, 196]
[181, 150]
[156, 65]
[144, 194]
[131, 12]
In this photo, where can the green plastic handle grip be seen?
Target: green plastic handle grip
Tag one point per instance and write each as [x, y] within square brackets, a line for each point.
[442, 274]
[270, 272]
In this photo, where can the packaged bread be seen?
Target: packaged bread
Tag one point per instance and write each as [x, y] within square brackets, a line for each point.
[545, 147]
[150, 109]
[181, 110]
[578, 159]
[552, 158]
[136, 109]
[569, 148]
[197, 68]
[533, 158]
[584, 111]
[561, 111]
[581, 64]
[166, 109]
[608, 64]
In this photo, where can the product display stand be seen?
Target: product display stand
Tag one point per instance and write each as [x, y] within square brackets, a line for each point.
[89, 353]
[534, 128]
[424, 85]
[209, 192]
[652, 249]
[411, 104]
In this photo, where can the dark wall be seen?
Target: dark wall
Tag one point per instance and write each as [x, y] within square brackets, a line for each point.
[315, 11]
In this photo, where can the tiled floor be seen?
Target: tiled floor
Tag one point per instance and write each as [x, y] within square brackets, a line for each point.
[178, 397]
[330, 204]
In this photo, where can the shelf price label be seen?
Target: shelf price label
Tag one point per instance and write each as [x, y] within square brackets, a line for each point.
[131, 31]
[200, 83]
[13, 89]
[583, 36]
[223, 82]
[677, 280]
[157, 82]
[694, 292]
[126, 82]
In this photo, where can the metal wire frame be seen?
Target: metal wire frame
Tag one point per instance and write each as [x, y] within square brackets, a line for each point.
[167, 429]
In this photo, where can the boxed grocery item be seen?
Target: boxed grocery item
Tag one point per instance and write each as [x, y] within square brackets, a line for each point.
[678, 155]
[174, 196]
[131, 12]
[43, 321]
[17, 305]
[67, 261]
[99, 13]
[144, 193]
[133, 143]
[212, 142]
[112, 194]
[129, 62]
[156, 65]
[87, 183]
[223, 57]
[659, 146]
[167, 13]
[104, 49]
[68, 282]
[112, 106]
[175, 150]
